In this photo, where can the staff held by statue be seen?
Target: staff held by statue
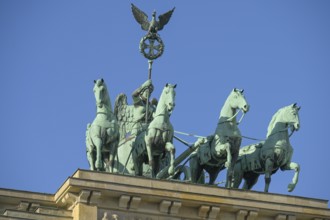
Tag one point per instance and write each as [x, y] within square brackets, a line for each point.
[151, 45]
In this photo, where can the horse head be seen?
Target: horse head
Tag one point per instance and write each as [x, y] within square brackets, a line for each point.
[238, 101]
[101, 95]
[286, 117]
[168, 97]
[291, 117]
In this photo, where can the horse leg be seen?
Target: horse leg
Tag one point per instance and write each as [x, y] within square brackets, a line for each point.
[148, 138]
[234, 151]
[196, 168]
[231, 160]
[110, 139]
[105, 157]
[213, 172]
[96, 139]
[222, 148]
[229, 177]
[113, 152]
[268, 172]
[250, 179]
[296, 168]
[155, 168]
[90, 159]
[170, 148]
[98, 146]
[137, 161]
[238, 175]
[90, 154]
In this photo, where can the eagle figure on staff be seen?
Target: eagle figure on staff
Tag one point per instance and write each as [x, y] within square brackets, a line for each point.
[153, 26]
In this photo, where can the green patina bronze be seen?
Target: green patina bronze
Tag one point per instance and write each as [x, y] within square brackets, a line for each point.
[132, 119]
[221, 149]
[151, 45]
[152, 143]
[103, 134]
[272, 154]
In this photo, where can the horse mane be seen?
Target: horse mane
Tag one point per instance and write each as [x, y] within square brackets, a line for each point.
[161, 98]
[162, 95]
[273, 121]
[108, 102]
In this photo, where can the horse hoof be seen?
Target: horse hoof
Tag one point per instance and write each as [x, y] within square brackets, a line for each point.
[171, 170]
[98, 165]
[291, 187]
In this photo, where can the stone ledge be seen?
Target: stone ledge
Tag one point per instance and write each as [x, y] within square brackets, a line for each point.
[125, 195]
[188, 187]
[113, 186]
[35, 216]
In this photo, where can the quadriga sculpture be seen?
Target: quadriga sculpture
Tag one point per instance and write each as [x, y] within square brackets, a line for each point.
[273, 154]
[221, 150]
[151, 144]
[103, 134]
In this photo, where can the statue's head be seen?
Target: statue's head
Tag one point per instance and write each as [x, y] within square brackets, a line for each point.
[238, 101]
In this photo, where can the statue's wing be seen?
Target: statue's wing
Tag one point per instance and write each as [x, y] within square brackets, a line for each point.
[124, 114]
[140, 17]
[164, 19]
[120, 105]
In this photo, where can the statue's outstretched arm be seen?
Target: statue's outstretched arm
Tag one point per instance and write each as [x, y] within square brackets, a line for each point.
[138, 92]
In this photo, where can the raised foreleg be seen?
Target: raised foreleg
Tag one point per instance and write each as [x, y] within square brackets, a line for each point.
[296, 168]
[170, 148]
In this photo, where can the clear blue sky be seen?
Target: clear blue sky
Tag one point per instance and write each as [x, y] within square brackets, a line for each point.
[51, 51]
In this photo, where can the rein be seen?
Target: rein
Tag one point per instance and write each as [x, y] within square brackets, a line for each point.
[231, 118]
[162, 113]
[283, 130]
[187, 134]
[242, 136]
